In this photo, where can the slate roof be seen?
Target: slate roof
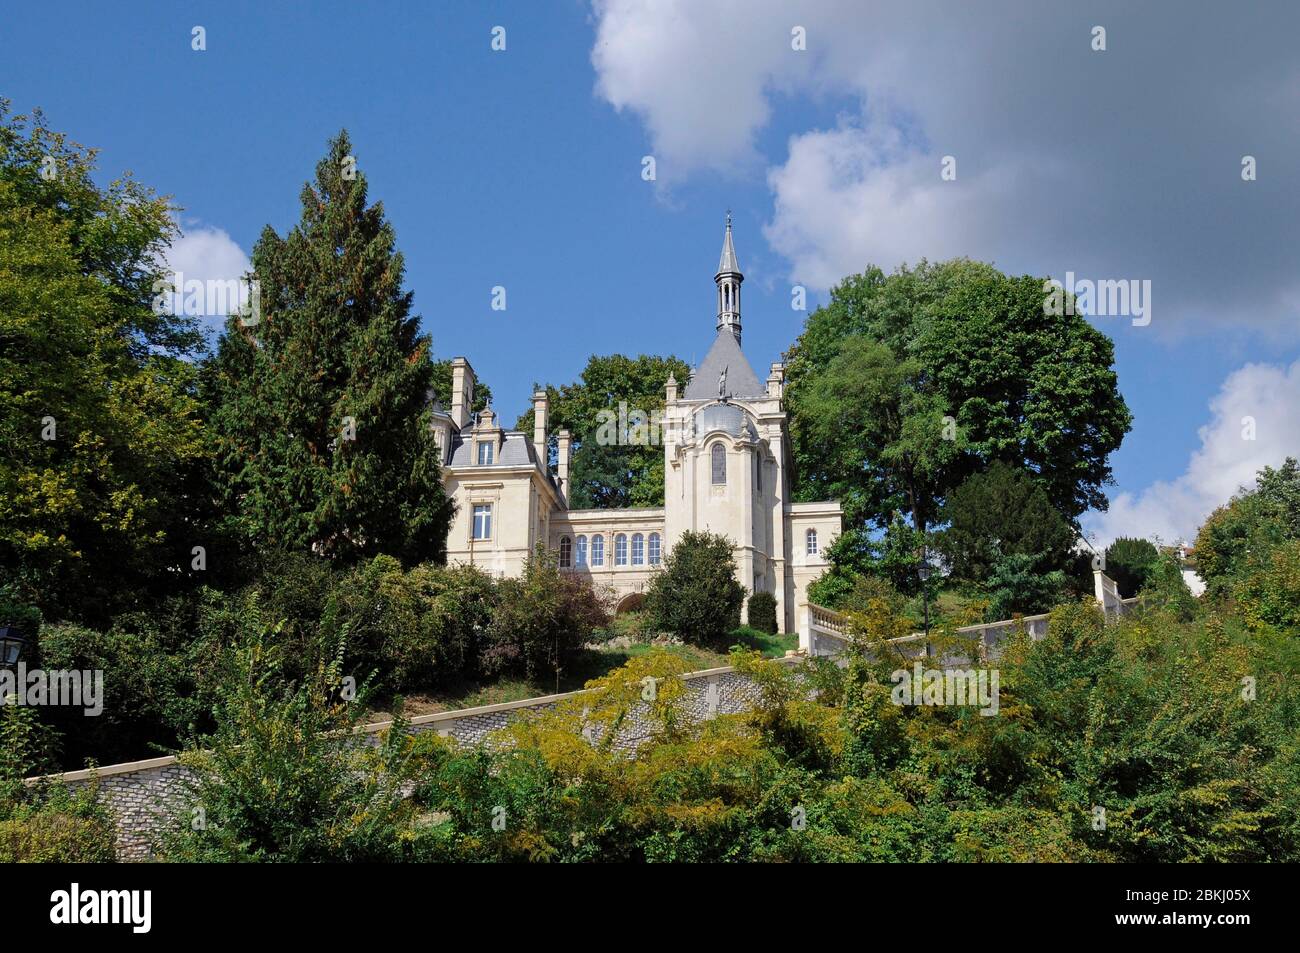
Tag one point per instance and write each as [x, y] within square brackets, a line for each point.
[741, 379]
[516, 451]
[727, 264]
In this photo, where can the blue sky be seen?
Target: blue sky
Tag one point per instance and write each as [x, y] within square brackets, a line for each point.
[523, 168]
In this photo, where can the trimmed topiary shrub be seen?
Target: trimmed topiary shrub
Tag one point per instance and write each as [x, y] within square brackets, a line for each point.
[762, 612]
[695, 594]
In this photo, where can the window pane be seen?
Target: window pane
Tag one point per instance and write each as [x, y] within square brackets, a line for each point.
[812, 542]
[654, 549]
[719, 464]
[638, 550]
[484, 454]
[620, 550]
[566, 552]
[598, 550]
[582, 551]
[483, 521]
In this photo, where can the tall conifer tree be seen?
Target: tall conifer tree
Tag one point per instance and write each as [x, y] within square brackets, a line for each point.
[322, 397]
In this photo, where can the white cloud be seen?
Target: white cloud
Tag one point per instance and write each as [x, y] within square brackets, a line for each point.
[207, 254]
[1268, 395]
[200, 264]
[1120, 164]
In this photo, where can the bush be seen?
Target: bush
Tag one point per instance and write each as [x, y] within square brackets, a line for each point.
[1130, 562]
[762, 612]
[1269, 592]
[285, 776]
[695, 594]
[62, 829]
[540, 618]
[44, 823]
[1016, 587]
[409, 629]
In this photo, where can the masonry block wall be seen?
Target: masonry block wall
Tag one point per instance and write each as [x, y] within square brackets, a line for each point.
[141, 795]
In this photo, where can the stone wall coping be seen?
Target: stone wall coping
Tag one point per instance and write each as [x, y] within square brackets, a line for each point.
[454, 715]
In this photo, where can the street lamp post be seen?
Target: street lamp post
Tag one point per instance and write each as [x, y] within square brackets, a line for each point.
[12, 645]
[924, 572]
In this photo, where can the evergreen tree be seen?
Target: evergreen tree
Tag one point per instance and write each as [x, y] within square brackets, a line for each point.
[322, 397]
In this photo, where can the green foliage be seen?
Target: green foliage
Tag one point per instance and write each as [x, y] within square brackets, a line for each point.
[1016, 586]
[321, 406]
[875, 372]
[1253, 522]
[1166, 589]
[44, 822]
[762, 612]
[540, 618]
[285, 777]
[1130, 562]
[1268, 592]
[893, 556]
[694, 594]
[1144, 718]
[409, 629]
[1001, 512]
[616, 472]
[101, 444]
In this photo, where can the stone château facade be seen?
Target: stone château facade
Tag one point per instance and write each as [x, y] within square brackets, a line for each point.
[726, 470]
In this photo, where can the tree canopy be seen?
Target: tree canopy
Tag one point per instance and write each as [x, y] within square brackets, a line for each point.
[100, 432]
[904, 385]
[614, 464]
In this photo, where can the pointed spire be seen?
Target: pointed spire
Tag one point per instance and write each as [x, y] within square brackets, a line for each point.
[728, 280]
[727, 264]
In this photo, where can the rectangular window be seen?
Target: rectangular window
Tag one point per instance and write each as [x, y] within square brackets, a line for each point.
[483, 521]
[485, 453]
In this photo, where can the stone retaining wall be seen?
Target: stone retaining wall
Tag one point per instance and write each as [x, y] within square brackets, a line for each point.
[141, 793]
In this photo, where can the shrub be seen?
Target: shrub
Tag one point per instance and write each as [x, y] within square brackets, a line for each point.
[540, 618]
[44, 823]
[1166, 589]
[1130, 562]
[62, 829]
[998, 513]
[695, 594]
[409, 629]
[1269, 592]
[149, 692]
[285, 776]
[1016, 587]
[762, 612]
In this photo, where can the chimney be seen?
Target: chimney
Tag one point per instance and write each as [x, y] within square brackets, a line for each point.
[462, 392]
[540, 405]
[776, 381]
[562, 440]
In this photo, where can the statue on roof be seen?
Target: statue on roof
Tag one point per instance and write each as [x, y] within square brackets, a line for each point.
[722, 384]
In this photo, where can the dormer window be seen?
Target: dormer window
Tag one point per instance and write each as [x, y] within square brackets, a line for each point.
[485, 453]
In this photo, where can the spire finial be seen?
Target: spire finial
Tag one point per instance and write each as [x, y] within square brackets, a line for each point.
[728, 280]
